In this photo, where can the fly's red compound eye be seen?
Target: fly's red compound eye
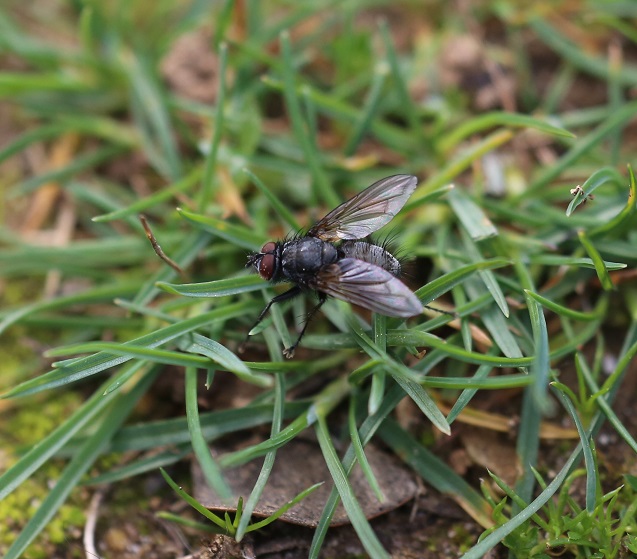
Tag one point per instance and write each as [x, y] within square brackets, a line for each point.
[266, 266]
[268, 248]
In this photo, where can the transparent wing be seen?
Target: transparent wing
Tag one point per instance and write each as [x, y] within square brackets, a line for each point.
[369, 286]
[366, 212]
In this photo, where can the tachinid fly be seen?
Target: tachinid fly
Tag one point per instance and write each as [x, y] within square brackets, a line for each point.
[334, 258]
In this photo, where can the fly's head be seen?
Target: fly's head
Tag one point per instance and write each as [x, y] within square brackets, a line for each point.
[267, 262]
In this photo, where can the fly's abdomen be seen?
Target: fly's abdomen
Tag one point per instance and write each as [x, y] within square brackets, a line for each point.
[301, 259]
[374, 254]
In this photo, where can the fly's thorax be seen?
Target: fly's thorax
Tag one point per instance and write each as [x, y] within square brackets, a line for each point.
[374, 254]
[302, 258]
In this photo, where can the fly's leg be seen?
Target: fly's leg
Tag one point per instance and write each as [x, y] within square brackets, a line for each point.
[296, 290]
[289, 352]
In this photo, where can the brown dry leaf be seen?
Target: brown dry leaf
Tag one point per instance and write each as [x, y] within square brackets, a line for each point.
[504, 423]
[43, 201]
[478, 335]
[359, 162]
[488, 451]
[230, 198]
[300, 464]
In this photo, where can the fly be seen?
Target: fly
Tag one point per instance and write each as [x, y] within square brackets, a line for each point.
[334, 258]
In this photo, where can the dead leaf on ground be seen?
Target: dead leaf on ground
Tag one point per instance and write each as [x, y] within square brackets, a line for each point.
[300, 464]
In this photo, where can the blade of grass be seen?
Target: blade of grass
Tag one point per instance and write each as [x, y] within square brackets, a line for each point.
[268, 462]
[205, 195]
[621, 220]
[597, 314]
[282, 510]
[366, 432]
[130, 351]
[468, 393]
[322, 404]
[589, 461]
[142, 466]
[227, 360]
[487, 277]
[534, 403]
[457, 165]
[194, 503]
[557, 260]
[487, 121]
[139, 206]
[441, 285]
[95, 295]
[77, 165]
[580, 57]
[598, 261]
[323, 190]
[357, 445]
[473, 219]
[435, 472]
[235, 234]
[217, 288]
[405, 377]
[352, 507]
[377, 390]
[150, 109]
[603, 405]
[209, 467]
[280, 208]
[598, 178]
[582, 146]
[400, 83]
[87, 366]
[185, 255]
[369, 109]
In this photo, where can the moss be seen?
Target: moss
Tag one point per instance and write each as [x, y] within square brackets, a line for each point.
[16, 356]
[36, 420]
[25, 427]
[18, 507]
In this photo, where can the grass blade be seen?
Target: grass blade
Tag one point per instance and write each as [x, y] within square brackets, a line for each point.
[87, 366]
[217, 288]
[205, 194]
[435, 472]
[266, 469]
[209, 467]
[354, 511]
[592, 479]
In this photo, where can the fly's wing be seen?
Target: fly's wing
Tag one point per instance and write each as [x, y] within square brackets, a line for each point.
[369, 286]
[366, 212]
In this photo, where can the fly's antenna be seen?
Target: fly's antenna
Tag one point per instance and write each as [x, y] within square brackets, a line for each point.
[158, 250]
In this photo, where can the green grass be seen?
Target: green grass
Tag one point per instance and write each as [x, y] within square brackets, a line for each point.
[312, 102]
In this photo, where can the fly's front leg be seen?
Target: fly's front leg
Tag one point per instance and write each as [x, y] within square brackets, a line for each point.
[289, 352]
[296, 290]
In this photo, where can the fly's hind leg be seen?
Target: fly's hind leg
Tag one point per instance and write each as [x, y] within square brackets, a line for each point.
[291, 293]
[289, 352]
